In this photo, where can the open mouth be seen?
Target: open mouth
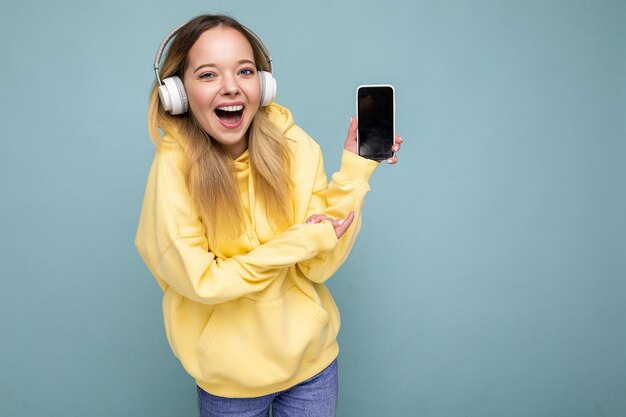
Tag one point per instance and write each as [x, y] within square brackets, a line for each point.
[229, 115]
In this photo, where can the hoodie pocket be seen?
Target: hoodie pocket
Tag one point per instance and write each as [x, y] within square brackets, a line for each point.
[257, 344]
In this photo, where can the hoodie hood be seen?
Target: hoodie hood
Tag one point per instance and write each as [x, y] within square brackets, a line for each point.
[242, 163]
[279, 116]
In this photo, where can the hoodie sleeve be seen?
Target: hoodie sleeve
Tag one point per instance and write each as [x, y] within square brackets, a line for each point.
[345, 192]
[172, 242]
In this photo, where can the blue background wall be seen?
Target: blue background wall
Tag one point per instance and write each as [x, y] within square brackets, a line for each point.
[489, 277]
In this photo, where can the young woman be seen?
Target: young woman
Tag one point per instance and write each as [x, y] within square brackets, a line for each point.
[240, 228]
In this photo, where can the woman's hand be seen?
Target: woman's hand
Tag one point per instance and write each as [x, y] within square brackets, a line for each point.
[351, 137]
[350, 144]
[340, 225]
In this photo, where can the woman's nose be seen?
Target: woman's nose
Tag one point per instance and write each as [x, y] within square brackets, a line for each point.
[230, 86]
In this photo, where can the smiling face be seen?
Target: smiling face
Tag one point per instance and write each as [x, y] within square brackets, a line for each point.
[223, 87]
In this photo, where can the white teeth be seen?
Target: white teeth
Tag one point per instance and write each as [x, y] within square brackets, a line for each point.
[230, 108]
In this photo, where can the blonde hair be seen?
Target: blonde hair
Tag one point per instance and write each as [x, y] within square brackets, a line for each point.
[210, 173]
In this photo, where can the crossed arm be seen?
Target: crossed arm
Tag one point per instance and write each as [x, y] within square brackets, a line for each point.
[171, 238]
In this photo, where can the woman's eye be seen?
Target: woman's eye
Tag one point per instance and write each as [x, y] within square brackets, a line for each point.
[247, 71]
[207, 75]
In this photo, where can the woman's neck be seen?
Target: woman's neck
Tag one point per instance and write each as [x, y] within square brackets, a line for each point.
[235, 150]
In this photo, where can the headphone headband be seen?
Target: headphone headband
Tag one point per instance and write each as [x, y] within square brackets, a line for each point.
[257, 41]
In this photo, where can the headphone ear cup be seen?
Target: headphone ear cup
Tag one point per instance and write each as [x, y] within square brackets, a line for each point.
[268, 87]
[173, 96]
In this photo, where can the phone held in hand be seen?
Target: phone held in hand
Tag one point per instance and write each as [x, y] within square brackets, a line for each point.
[376, 118]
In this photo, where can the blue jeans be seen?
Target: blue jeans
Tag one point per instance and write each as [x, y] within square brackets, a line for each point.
[315, 397]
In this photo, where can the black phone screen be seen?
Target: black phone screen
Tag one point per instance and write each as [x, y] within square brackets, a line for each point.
[375, 117]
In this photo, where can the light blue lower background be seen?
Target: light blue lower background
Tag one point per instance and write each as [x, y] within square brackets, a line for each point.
[489, 277]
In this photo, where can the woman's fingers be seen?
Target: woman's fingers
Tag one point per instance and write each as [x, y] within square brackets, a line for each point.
[397, 143]
[318, 218]
[312, 219]
[342, 225]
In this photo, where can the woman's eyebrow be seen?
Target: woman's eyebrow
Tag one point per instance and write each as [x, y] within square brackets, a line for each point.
[242, 61]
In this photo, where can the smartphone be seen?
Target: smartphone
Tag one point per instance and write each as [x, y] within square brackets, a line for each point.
[376, 119]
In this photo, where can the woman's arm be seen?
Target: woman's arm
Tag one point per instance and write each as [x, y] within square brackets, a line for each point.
[172, 242]
[345, 193]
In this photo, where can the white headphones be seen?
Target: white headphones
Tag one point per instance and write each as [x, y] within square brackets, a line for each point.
[172, 91]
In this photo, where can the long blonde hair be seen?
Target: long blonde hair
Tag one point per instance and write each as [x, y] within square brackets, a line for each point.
[210, 173]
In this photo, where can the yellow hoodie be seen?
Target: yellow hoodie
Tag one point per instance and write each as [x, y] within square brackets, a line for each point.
[249, 316]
